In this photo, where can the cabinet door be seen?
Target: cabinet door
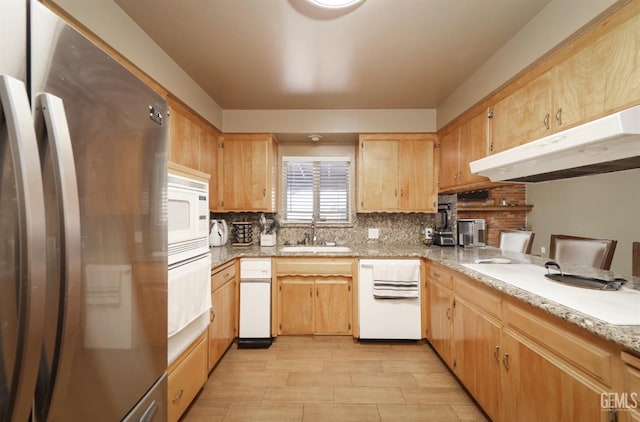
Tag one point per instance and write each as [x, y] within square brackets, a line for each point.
[472, 146]
[378, 175]
[416, 172]
[246, 174]
[441, 320]
[333, 305]
[449, 159]
[524, 115]
[295, 305]
[537, 387]
[209, 164]
[184, 140]
[477, 357]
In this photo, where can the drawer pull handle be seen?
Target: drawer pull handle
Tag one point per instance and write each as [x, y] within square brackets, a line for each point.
[546, 120]
[213, 315]
[448, 313]
[505, 361]
[226, 275]
[177, 396]
[495, 354]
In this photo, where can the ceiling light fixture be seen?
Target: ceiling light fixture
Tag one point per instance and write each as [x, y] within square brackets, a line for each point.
[314, 137]
[334, 4]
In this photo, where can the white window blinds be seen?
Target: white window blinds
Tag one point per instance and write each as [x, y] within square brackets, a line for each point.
[316, 187]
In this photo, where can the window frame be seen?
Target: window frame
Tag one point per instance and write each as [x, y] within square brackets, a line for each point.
[316, 204]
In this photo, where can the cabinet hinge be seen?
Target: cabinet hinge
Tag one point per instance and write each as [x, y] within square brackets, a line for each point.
[280, 325]
[280, 288]
[349, 326]
[490, 113]
[436, 145]
[491, 147]
[612, 415]
[348, 288]
[361, 144]
[454, 303]
[220, 144]
[455, 363]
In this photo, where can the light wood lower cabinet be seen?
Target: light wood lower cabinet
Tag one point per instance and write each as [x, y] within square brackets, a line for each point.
[537, 386]
[631, 392]
[477, 355]
[519, 363]
[314, 305]
[223, 325]
[440, 333]
[187, 375]
[314, 296]
[295, 305]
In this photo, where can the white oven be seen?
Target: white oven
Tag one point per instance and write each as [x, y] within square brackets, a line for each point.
[189, 302]
[188, 218]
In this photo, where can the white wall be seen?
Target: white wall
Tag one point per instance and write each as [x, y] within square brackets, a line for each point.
[116, 28]
[602, 206]
[552, 25]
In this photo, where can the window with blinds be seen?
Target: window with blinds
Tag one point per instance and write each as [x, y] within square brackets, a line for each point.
[316, 187]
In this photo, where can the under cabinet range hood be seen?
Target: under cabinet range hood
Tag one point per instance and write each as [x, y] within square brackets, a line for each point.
[611, 143]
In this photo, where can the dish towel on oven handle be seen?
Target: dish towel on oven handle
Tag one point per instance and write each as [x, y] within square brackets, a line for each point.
[188, 298]
[396, 281]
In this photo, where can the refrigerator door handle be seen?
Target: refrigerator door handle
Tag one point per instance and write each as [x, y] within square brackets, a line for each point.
[14, 105]
[64, 173]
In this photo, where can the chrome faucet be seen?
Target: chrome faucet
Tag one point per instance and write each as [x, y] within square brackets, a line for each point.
[313, 230]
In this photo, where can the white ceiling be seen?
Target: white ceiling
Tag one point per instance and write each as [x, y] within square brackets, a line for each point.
[286, 54]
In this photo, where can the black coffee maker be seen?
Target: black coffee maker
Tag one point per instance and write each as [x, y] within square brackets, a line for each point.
[443, 233]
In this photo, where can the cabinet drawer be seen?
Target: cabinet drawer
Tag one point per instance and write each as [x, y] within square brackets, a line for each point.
[221, 275]
[586, 355]
[314, 266]
[186, 379]
[439, 275]
[479, 296]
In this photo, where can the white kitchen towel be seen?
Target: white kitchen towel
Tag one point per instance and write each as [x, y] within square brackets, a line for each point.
[189, 295]
[395, 271]
[392, 280]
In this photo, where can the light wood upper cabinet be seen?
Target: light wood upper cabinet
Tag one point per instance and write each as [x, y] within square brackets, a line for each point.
[460, 146]
[524, 115]
[194, 143]
[248, 172]
[396, 172]
[597, 74]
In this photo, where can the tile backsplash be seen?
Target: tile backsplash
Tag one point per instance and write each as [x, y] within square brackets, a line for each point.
[394, 228]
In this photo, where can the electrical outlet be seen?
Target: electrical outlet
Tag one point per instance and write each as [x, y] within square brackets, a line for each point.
[543, 251]
[373, 233]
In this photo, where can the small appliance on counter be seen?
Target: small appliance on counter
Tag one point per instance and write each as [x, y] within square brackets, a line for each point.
[443, 233]
[268, 228]
[242, 234]
[218, 233]
[472, 232]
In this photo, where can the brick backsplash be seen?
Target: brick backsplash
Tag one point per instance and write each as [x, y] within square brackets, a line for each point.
[500, 220]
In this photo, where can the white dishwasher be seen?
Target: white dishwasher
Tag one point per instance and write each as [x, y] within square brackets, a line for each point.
[389, 299]
[255, 303]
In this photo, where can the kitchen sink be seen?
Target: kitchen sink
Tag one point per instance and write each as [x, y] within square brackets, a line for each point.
[316, 249]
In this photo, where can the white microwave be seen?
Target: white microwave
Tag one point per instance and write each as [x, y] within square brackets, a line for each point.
[188, 217]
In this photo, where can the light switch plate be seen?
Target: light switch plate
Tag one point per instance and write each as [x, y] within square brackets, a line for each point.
[373, 233]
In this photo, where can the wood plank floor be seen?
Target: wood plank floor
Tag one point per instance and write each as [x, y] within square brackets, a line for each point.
[319, 378]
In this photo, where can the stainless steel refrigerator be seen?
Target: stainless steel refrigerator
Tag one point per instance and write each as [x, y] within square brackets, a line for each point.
[83, 228]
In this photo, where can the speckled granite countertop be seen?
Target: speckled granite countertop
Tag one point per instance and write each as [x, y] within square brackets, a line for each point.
[627, 336]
